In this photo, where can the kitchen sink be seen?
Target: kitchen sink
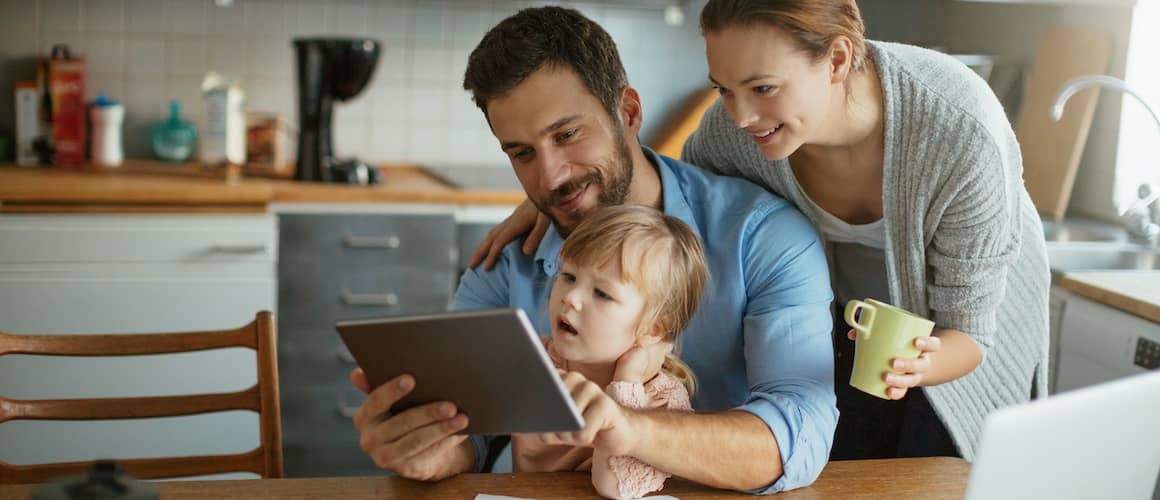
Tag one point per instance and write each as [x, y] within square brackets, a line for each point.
[1096, 256]
[1079, 230]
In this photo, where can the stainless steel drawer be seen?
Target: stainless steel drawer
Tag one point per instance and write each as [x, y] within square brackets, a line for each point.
[362, 241]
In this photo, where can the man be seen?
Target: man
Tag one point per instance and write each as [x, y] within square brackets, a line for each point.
[550, 83]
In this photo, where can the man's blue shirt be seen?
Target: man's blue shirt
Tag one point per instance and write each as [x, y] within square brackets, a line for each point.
[761, 339]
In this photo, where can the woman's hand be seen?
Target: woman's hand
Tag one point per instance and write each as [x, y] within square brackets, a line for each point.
[912, 371]
[606, 423]
[526, 217]
[641, 363]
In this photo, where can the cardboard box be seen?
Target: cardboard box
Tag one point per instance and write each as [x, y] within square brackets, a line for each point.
[27, 123]
[62, 79]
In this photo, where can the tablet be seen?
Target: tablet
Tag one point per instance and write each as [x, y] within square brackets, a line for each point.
[490, 363]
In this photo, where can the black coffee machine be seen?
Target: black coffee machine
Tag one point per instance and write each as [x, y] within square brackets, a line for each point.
[329, 69]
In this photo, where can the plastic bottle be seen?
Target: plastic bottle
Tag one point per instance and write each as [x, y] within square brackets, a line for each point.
[106, 116]
[173, 140]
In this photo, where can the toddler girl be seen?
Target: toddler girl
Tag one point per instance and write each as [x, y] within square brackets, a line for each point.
[629, 281]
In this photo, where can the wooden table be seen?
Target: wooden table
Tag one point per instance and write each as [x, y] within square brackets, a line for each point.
[919, 478]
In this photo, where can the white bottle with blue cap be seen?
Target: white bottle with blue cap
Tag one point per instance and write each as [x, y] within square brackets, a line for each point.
[106, 116]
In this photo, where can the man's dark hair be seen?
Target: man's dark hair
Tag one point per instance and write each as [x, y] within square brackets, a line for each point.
[535, 37]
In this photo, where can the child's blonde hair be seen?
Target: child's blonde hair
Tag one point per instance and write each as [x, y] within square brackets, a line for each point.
[659, 255]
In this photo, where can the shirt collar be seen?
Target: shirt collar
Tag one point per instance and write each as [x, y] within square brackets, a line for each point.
[674, 204]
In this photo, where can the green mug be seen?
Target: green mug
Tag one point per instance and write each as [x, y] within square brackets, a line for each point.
[884, 332]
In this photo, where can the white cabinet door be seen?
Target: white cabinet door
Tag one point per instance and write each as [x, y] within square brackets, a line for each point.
[132, 274]
[1098, 343]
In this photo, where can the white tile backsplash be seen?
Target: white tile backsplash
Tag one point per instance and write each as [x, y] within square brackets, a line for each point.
[147, 16]
[60, 15]
[148, 52]
[428, 144]
[426, 106]
[112, 85]
[231, 21]
[391, 22]
[431, 65]
[188, 17]
[429, 23]
[228, 56]
[351, 140]
[272, 58]
[388, 142]
[18, 19]
[352, 17]
[105, 54]
[145, 56]
[104, 16]
[188, 57]
[146, 98]
[467, 24]
[310, 18]
[264, 17]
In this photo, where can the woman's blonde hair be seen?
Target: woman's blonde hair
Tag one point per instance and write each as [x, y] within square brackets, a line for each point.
[813, 24]
[659, 255]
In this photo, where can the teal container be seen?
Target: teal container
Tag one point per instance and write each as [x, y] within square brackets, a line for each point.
[173, 140]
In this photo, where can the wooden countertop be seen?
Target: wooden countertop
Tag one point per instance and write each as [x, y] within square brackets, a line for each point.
[918, 478]
[1136, 292]
[144, 186]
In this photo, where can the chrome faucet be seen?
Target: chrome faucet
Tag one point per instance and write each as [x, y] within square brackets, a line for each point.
[1143, 214]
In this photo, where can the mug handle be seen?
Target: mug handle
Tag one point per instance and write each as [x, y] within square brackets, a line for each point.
[863, 327]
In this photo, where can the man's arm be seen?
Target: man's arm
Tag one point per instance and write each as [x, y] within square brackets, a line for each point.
[780, 437]
[421, 443]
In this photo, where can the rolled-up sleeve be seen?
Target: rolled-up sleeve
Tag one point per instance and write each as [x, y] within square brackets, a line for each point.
[977, 240]
[788, 346]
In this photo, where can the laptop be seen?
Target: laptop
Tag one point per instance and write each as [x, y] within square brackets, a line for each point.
[1099, 442]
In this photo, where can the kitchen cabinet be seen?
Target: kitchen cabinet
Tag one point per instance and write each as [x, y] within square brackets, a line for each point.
[338, 265]
[1058, 298]
[1098, 343]
[131, 274]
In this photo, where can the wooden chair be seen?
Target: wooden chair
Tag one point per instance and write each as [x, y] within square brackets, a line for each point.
[262, 397]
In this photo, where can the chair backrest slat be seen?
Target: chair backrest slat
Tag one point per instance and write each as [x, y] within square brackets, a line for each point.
[119, 408]
[259, 335]
[141, 468]
[125, 345]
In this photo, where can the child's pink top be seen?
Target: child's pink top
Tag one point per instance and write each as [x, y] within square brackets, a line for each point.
[634, 478]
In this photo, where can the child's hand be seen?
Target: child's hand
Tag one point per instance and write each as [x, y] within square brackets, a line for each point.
[606, 423]
[641, 364]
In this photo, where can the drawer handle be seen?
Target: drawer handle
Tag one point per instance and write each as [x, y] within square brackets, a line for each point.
[344, 409]
[241, 249]
[388, 241]
[369, 299]
[344, 355]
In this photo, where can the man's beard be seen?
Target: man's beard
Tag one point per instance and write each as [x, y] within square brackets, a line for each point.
[613, 189]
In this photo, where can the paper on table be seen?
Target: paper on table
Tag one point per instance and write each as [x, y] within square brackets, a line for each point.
[485, 496]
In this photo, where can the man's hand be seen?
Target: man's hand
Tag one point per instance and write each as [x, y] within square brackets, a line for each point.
[606, 424]
[641, 364]
[420, 443]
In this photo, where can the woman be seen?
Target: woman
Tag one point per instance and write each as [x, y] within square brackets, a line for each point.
[905, 162]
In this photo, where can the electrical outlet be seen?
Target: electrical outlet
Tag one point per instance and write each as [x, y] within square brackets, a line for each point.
[1147, 353]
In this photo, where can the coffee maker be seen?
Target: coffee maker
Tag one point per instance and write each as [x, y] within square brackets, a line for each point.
[330, 69]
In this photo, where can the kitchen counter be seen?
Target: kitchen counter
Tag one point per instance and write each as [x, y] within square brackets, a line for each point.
[150, 187]
[1135, 292]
